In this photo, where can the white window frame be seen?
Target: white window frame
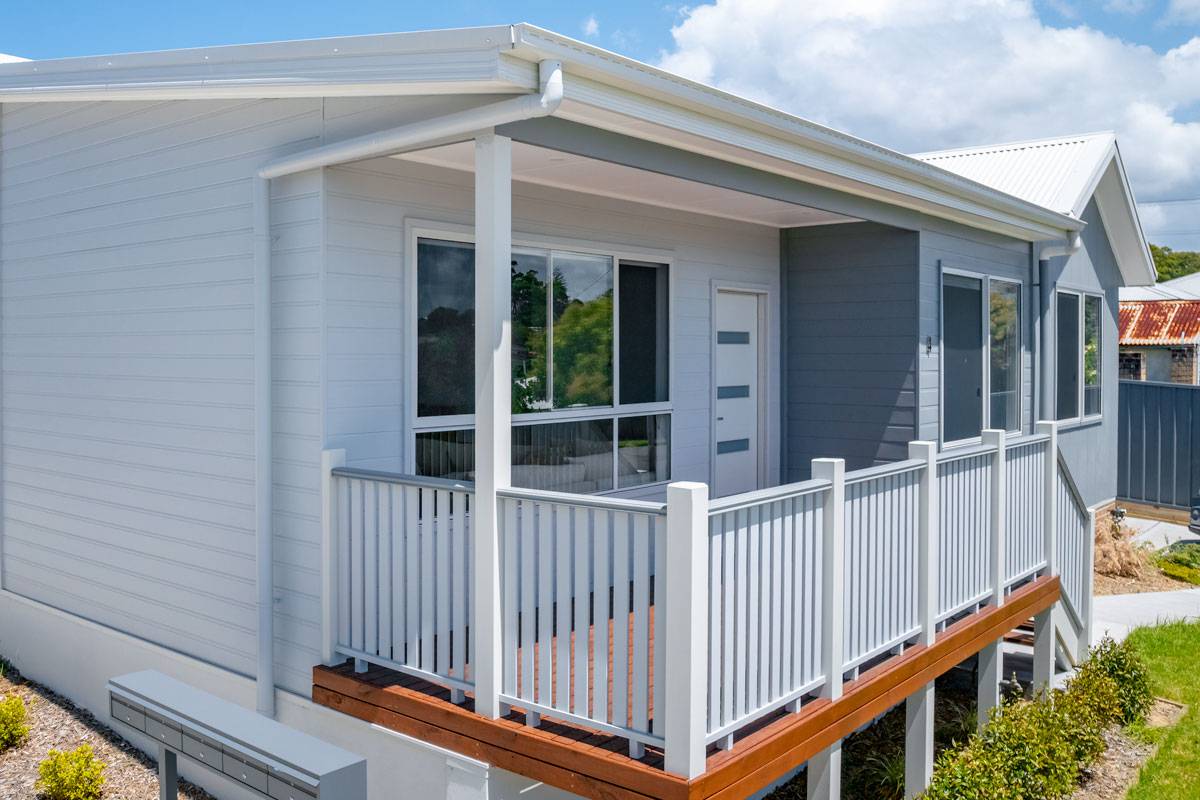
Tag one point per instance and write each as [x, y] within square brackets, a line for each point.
[1082, 418]
[465, 234]
[985, 399]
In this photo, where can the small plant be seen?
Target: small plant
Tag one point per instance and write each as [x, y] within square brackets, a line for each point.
[884, 773]
[1128, 671]
[74, 775]
[1182, 562]
[13, 728]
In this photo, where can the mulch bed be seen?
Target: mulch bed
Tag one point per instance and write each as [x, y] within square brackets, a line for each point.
[1111, 777]
[55, 722]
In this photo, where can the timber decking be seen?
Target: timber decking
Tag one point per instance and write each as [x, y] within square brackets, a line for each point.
[596, 765]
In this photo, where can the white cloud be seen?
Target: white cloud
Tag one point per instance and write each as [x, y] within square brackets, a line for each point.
[591, 26]
[1125, 6]
[925, 74]
[1183, 11]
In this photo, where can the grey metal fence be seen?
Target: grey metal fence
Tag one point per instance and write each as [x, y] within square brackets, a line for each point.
[1159, 443]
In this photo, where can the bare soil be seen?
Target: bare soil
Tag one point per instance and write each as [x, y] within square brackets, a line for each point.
[55, 722]
[1150, 581]
[1124, 567]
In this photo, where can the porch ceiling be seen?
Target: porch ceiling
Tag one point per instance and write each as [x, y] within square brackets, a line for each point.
[539, 165]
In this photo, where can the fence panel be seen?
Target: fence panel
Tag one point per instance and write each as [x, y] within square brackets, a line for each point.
[1158, 452]
[880, 610]
[764, 594]
[404, 573]
[579, 580]
[964, 549]
[1025, 543]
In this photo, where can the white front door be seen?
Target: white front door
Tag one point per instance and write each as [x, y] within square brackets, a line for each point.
[736, 409]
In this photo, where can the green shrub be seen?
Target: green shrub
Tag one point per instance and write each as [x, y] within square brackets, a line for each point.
[1180, 572]
[1127, 669]
[13, 729]
[74, 775]
[1090, 706]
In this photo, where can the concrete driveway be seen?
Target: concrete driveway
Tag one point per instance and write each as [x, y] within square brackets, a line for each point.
[1116, 615]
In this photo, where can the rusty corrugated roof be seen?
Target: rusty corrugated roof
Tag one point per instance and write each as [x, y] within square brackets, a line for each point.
[1162, 322]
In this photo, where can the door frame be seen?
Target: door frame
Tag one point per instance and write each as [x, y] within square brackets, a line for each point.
[763, 292]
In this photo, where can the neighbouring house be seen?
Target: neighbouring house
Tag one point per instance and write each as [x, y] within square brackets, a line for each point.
[1158, 340]
[535, 422]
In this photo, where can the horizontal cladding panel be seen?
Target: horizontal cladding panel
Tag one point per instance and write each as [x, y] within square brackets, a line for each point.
[128, 364]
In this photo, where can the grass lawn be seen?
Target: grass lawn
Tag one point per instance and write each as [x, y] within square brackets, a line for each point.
[1172, 652]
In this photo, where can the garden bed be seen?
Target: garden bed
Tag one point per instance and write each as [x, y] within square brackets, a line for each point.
[57, 723]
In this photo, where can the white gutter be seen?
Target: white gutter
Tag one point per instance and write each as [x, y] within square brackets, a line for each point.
[1069, 247]
[413, 136]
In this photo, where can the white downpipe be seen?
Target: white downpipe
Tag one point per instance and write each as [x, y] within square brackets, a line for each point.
[263, 457]
[413, 136]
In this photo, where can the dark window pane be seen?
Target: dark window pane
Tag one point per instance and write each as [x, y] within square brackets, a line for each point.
[1091, 355]
[446, 454]
[564, 456]
[643, 450]
[1067, 356]
[1005, 322]
[530, 278]
[582, 330]
[962, 357]
[445, 328]
[642, 343]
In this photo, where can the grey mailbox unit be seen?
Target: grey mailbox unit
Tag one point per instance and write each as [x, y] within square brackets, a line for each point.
[272, 759]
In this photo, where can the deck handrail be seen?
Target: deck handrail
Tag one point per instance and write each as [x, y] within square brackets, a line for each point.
[752, 603]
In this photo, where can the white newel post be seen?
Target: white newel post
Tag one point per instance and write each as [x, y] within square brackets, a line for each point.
[1089, 589]
[825, 768]
[991, 657]
[686, 645]
[330, 460]
[493, 409]
[1043, 623]
[918, 708]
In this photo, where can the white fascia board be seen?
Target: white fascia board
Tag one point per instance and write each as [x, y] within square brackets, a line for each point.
[430, 62]
[598, 77]
[1123, 226]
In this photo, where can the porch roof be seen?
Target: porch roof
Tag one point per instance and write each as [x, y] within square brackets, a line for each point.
[602, 90]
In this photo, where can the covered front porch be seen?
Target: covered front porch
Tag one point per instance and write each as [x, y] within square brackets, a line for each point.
[562, 516]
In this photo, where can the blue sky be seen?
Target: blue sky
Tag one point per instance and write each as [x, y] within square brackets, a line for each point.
[979, 70]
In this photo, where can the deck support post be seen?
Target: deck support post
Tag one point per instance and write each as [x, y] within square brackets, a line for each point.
[686, 645]
[493, 404]
[825, 769]
[918, 708]
[824, 774]
[330, 460]
[990, 667]
[918, 741]
[1043, 650]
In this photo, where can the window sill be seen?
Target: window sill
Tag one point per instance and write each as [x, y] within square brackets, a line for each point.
[1076, 424]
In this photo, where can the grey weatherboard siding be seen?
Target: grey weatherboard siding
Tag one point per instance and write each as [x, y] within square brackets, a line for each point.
[851, 318]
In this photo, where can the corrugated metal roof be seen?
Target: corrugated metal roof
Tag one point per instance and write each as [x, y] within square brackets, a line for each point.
[1058, 174]
[1161, 322]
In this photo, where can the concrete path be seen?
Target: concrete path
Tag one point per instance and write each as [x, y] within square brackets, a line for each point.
[1116, 615]
[1158, 534]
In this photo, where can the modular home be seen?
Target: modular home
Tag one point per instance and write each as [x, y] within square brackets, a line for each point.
[532, 421]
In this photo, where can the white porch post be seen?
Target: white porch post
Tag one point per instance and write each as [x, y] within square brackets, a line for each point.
[330, 460]
[1043, 624]
[991, 658]
[918, 708]
[686, 645]
[825, 768]
[493, 410]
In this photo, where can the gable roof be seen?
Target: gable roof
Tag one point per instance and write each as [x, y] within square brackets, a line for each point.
[1159, 322]
[1064, 174]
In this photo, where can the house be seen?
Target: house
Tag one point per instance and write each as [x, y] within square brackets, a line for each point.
[442, 393]
[1158, 340]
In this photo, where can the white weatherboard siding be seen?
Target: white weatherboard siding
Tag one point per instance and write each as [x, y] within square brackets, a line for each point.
[125, 233]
